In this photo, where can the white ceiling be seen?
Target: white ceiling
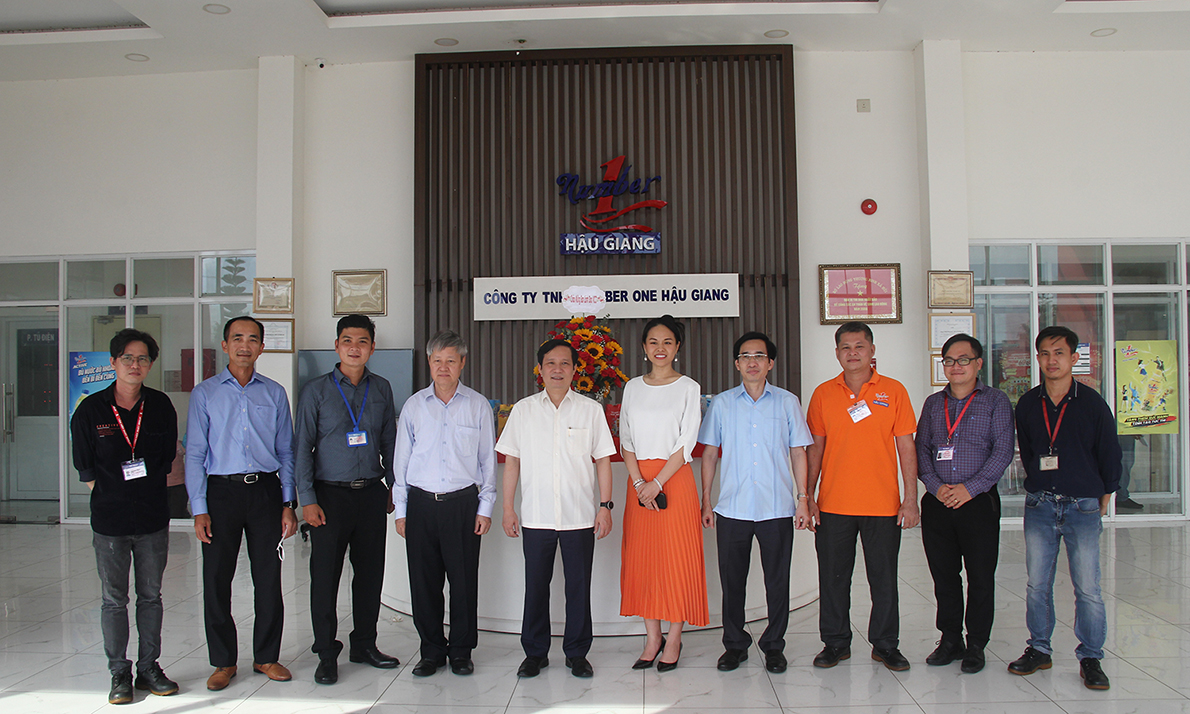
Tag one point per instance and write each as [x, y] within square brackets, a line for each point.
[179, 36]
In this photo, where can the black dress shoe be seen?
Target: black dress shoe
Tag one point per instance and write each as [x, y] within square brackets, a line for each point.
[775, 662]
[663, 666]
[121, 692]
[532, 666]
[327, 672]
[374, 657]
[646, 663]
[1030, 662]
[427, 667]
[580, 667]
[946, 653]
[973, 661]
[155, 681]
[462, 665]
[830, 656]
[1092, 674]
[892, 658]
[730, 659]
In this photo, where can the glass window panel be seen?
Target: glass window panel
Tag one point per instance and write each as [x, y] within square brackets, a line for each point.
[29, 281]
[163, 277]
[95, 279]
[88, 329]
[1144, 264]
[228, 275]
[1000, 264]
[1003, 326]
[1083, 313]
[172, 326]
[213, 318]
[1070, 265]
[1147, 385]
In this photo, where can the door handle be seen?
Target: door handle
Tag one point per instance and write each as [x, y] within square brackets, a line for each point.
[6, 417]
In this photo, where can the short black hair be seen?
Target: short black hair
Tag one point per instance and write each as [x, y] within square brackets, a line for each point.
[853, 326]
[549, 345]
[227, 326]
[976, 347]
[120, 342]
[669, 323]
[1057, 331]
[362, 321]
[769, 348]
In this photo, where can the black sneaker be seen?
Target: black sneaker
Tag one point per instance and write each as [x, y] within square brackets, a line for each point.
[121, 688]
[155, 681]
[892, 658]
[1030, 662]
[1092, 674]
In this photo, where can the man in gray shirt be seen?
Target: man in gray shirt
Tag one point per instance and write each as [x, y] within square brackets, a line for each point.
[346, 430]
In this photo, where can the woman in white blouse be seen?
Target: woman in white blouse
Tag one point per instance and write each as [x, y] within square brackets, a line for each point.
[662, 573]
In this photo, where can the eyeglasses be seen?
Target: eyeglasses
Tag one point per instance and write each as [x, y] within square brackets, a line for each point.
[962, 361]
[142, 360]
[752, 357]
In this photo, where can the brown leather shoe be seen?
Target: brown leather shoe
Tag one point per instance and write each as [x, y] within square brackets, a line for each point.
[273, 671]
[221, 678]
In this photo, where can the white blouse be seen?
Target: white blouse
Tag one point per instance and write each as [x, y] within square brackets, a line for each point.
[655, 422]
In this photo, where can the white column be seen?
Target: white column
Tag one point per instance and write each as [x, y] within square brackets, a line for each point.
[942, 154]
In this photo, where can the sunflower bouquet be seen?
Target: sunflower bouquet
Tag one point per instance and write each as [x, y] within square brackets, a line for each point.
[598, 370]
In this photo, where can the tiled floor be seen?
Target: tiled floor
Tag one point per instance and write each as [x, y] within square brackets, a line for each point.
[51, 657]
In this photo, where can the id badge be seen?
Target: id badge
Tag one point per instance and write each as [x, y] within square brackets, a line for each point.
[1049, 463]
[859, 411]
[357, 438]
[945, 453]
[134, 469]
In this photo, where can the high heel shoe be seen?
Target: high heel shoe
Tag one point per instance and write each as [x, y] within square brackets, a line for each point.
[669, 666]
[647, 663]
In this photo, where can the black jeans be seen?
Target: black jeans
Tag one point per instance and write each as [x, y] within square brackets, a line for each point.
[578, 556]
[734, 540]
[146, 555]
[835, 543]
[955, 538]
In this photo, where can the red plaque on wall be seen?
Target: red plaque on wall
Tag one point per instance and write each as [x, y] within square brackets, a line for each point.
[865, 292]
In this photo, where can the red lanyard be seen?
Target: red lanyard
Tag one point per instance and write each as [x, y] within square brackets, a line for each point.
[1046, 413]
[136, 434]
[950, 430]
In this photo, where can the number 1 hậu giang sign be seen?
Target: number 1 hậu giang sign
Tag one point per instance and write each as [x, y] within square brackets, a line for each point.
[617, 296]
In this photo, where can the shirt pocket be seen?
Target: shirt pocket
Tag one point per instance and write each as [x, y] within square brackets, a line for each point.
[578, 441]
[466, 438]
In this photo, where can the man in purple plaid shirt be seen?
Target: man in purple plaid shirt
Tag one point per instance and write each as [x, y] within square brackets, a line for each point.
[964, 444]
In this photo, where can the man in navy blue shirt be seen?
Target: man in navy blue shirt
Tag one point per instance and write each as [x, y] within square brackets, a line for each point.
[1071, 455]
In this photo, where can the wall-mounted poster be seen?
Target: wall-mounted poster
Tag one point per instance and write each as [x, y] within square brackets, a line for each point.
[1147, 387]
[90, 372]
[867, 292]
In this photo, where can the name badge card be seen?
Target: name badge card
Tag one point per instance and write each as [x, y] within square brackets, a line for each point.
[134, 469]
[859, 411]
[945, 453]
[357, 438]
[1049, 463]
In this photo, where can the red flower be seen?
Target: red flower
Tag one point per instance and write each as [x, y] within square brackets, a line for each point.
[589, 321]
[615, 361]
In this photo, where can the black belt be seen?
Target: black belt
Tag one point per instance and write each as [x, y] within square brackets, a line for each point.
[244, 478]
[355, 485]
[470, 490]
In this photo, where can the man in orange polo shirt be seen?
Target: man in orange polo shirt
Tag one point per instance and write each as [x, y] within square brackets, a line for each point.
[862, 424]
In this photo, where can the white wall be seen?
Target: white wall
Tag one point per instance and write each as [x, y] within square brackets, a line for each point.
[1078, 144]
[128, 164]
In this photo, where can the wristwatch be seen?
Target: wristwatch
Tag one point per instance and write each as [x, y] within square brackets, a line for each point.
[290, 504]
[609, 505]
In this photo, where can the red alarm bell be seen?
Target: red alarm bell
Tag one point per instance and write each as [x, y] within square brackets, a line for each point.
[868, 206]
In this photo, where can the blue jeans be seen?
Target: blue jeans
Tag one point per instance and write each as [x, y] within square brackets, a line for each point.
[1049, 518]
[114, 556]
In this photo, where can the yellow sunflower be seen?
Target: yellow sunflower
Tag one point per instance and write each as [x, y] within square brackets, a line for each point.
[594, 350]
[584, 334]
[584, 384]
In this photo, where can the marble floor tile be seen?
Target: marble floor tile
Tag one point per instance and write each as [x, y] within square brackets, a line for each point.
[866, 683]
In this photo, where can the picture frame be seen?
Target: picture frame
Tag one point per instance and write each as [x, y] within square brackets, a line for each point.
[937, 372]
[951, 289]
[272, 296]
[944, 325]
[868, 292]
[278, 334]
[359, 292]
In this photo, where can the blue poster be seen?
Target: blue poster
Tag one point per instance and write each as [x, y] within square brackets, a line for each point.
[90, 372]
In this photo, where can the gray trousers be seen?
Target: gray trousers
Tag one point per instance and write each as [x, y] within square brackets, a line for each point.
[114, 555]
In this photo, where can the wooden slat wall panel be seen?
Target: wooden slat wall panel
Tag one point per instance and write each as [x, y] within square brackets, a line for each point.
[494, 130]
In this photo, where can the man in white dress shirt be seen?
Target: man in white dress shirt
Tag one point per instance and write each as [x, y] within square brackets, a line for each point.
[549, 441]
[444, 490]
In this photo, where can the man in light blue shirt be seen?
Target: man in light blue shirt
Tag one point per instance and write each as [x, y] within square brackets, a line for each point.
[445, 488]
[239, 474]
[762, 494]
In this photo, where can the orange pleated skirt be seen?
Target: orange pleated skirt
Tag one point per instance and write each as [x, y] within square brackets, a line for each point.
[662, 572]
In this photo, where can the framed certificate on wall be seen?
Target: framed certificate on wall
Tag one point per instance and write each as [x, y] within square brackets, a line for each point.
[952, 289]
[868, 292]
[944, 325]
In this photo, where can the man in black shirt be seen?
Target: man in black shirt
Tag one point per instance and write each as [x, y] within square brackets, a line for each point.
[124, 440]
[1071, 455]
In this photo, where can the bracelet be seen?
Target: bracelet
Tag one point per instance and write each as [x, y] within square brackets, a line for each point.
[638, 482]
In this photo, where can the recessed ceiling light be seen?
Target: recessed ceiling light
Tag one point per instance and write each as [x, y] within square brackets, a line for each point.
[1103, 32]
[776, 34]
[446, 41]
[216, 9]
[136, 57]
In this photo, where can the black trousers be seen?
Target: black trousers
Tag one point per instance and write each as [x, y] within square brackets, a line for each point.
[954, 538]
[578, 555]
[355, 520]
[238, 510]
[835, 543]
[734, 539]
[441, 545]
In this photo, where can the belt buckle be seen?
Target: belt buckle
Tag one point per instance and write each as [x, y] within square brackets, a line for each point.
[439, 497]
[251, 478]
[358, 484]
